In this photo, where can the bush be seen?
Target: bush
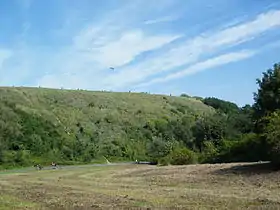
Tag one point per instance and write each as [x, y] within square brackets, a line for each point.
[16, 158]
[165, 161]
[157, 149]
[183, 156]
[272, 136]
[250, 147]
[2, 151]
[209, 152]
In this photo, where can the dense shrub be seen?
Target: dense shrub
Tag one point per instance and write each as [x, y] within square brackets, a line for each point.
[272, 136]
[165, 161]
[158, 149]
[249, 148]
[183, 156]
[16, 158]
[209, 153]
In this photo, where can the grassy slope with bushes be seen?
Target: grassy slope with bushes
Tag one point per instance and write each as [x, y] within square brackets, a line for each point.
[39, 125]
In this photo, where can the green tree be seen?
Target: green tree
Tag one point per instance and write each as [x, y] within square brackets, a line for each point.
[239, 123]
[158, 149]
[245, 121]
[209, 153]
[221, 105]
[248, 148]
[239, 120]
[267, 97]
[266, 102]
[180, 130]
[184, 95]
[1, 152]
[272, 135]
[211, 128]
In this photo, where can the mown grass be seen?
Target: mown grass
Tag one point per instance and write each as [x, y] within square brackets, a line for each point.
[219, 186]
[12, 202]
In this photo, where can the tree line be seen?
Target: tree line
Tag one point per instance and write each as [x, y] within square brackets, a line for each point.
[232, 134]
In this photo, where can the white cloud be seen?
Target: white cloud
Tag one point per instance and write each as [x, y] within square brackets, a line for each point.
[205, 65]
[70, 69]
[192, 50]
[244, 32]
[115, 41]
[162, 19]
[63, 81]
[130, 44]
[111, 47]
[88, 58]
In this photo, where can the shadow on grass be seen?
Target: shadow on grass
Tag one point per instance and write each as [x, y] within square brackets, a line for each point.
[249, 169]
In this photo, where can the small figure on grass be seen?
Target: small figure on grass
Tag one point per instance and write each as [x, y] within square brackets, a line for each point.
[54, 165]
[38, 166]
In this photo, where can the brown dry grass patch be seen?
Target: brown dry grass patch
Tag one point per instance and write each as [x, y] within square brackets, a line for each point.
[209, 186]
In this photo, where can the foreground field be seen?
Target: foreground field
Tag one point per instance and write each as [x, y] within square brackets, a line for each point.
[221, 186]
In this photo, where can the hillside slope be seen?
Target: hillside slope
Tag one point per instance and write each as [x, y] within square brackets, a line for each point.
[48, 124]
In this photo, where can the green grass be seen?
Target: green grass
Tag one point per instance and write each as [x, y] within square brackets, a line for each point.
[219, 186]
[12, 202]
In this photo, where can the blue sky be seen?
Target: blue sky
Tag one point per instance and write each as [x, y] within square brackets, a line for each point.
[203, 49]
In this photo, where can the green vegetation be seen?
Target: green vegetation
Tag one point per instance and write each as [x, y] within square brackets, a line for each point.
[11, 202]
[40, 125]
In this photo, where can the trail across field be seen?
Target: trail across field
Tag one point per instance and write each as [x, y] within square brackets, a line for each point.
[132, 186]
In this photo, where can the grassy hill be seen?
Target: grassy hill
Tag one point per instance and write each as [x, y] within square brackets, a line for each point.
[41, 124]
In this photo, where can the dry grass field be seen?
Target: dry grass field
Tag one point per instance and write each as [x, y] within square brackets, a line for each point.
[219, 186]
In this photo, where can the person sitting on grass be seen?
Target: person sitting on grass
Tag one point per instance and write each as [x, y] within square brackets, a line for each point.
[54, 165]
[38, 166]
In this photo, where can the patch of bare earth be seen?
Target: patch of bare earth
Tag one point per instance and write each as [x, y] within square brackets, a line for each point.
[207, 186]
